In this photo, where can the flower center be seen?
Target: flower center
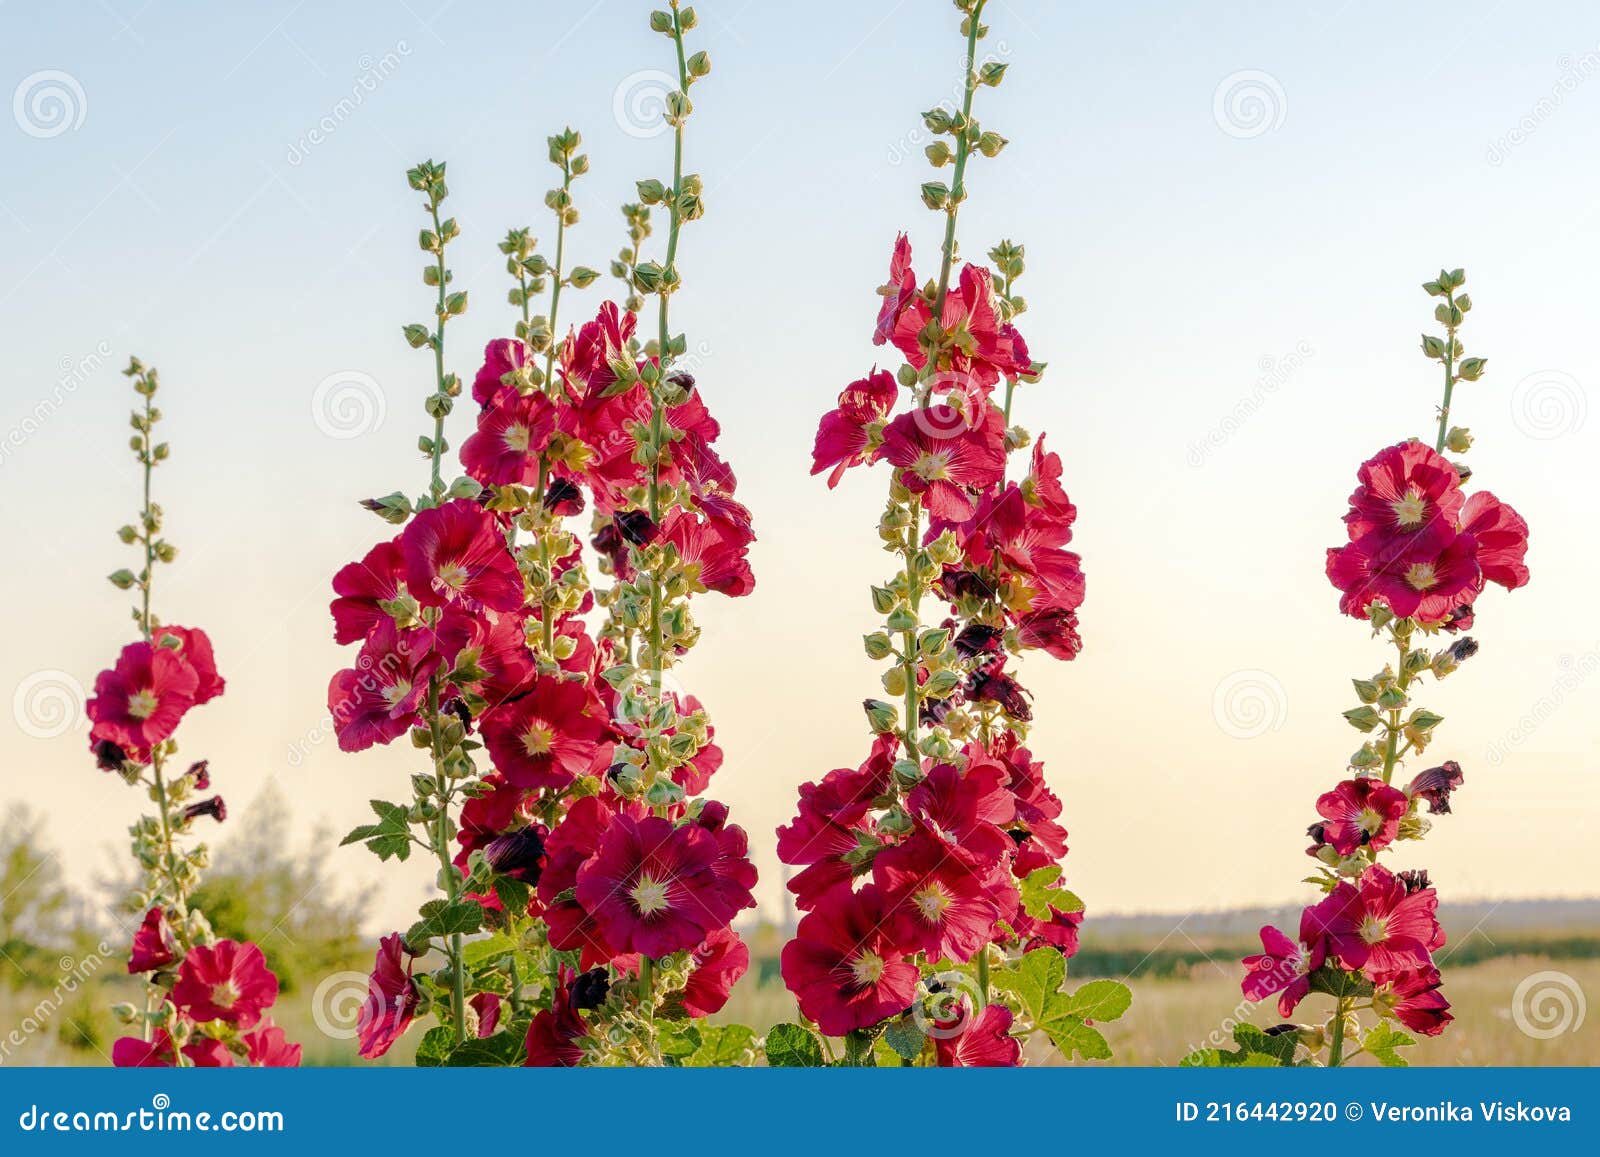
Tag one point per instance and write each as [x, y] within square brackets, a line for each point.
[516, 438]
[538, 740]
[453, 575]
[1372, 929]
[143, 704]
[649, 896]
[395, 693]
[224, 995]
[1370, 821]
[1421, 576]
[866, 968]
[931, 467]
[931, 903]
[1409, 510]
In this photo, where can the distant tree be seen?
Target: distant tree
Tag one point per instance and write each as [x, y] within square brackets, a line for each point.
[36, 910]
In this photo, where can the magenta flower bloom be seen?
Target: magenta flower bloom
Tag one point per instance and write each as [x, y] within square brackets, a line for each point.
[455, 556]
[946, 456]
[719, 961]
[501, 357]
[985, 1042]
[1501, 536]
[140, 701]
[1381, 927]
[377, 700]
[845, 436]
[512, 431]
[267, 1047]
[361, 586]
[842, 967]
[941, 904]
[226, 981]
[392, 999]
[1284, 966]
[652, 887]
[546, 737]
[897, 292]
[153, 946]
[1360, 813]
[1408, 502]
[1414, 998]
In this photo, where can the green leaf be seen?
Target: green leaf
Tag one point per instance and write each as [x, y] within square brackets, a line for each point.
[678, 1040]
[1074, 1036]
[1381, 1041]
[791, 1046]
[1100, 1000]
[434, 1049]
[364, 832]
[1034, 980]
[490, 950]
[513, 894]
[501, 1050]
[1041, 892]
[722, 1046]
[905, 1038]
[442, 918]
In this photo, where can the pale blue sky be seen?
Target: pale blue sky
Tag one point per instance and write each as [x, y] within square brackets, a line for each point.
[1229, 306]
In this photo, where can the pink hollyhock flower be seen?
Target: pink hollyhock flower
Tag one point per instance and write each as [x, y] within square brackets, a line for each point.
[140, 701]
[735, 874]
[361, 586]
[845, 437]
[1042, 487]
[195, 647]
[487, 1005]
[503, 656]
[512, 431]
[1425, 585]
[226, 981]
[1407, 503]
[940, 904]
[1360, 813]
[1284, 966]
[485, 817]
[554, 1037]
[897, 292]
[153, 945]
[1414, 998]
[943, 455]
[455, 556]
[1033, 828]
[1053, 630]
[587, 355]
[130, 1052]
[500, 357]
[831, 812]
[964, 811]
[984, 350]
[719, 961]
[1501, 536]
[984, 1043]
[842, 967]
[546, 737]
[377, 700]
[571, 845]
[652, 887]
[1381, 926]
[268, 1048]
[1434, 786]
[392, 999]
[713, 551]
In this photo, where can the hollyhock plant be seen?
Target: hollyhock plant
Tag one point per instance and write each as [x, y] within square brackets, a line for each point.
[599, 884]
[936, 928]
[200, 995]
[1419, 552]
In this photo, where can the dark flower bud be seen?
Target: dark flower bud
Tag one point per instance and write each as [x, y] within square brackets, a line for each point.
[563, 497]
[1464, 648]
[976, 638]
[967, 584]
[1434, 786]
[1414, 881]
[1460, 619]
[589, 989]
[518, 854]
[213, 807]
[108, 756]
[635, 527]
[200, 774]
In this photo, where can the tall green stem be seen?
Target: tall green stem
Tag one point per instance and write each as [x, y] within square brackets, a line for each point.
[1449, 373]
[1336, 1047]
[963, 151]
